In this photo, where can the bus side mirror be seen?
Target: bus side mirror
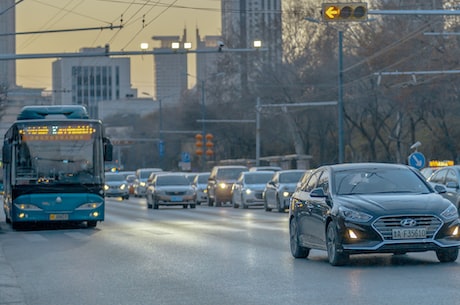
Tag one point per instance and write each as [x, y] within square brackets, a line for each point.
[108, 150]
[6, 152]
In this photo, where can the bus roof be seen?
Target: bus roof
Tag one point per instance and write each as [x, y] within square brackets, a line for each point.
[41, 112]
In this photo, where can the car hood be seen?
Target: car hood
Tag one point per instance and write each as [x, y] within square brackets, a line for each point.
[115, 183]
[383, 204]
[290, 187]
[173, 188]
[255, 187]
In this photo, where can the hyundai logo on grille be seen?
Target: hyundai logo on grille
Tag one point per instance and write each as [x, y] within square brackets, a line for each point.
[408, 222]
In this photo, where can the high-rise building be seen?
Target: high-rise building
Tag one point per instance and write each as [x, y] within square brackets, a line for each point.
[7, 43]
[89, 80]
[170, 69]
[207, 62]
[244, 21]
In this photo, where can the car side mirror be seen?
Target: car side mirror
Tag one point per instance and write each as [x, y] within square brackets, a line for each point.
[318, 193]
[440, 189]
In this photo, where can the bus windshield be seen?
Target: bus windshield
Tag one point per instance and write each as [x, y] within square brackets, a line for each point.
[50, 155]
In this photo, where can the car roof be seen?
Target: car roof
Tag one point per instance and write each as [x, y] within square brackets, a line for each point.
[345, 166]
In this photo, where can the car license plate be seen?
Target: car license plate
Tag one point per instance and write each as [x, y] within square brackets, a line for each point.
[176, 198]
[409, 233]
[59, 216]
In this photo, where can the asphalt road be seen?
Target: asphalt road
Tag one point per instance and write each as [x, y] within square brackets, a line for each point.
[203, 256]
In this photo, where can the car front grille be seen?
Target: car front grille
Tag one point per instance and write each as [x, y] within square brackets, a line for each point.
[385, 225]
[259, 195]
[175, 193]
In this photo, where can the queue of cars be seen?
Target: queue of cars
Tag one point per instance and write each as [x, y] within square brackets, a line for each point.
[343, 209]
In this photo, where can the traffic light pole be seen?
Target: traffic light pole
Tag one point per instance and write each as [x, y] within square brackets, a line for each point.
[340, 98]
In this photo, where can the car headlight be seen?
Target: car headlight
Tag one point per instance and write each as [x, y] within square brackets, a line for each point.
[106, 187]
[286, 194]
[248, 191]
[223, 185]
[355, 216]
[122, 187]
[450, 213]
[142, 184]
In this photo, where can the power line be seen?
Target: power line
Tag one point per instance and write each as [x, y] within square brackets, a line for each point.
[111, 27]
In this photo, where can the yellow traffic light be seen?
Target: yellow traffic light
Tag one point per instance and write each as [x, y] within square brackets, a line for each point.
[353, 11]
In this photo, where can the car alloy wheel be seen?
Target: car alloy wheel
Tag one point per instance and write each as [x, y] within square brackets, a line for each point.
[335, 257]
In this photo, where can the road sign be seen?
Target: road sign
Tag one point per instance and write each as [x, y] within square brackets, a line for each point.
[161, 148]
[185, 157]
[417, 160]
[352, 11]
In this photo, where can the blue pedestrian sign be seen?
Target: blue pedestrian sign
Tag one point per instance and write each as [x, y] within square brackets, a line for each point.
[185, 157]
[417, 160]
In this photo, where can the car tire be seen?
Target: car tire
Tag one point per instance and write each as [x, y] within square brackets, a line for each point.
[296, 250]
[210, 201]
[185, 206]
[335, 257]
[91, 223]
[217, 202]
[447, 255]
[278, 204]
[193, 206]
[267, 209]
[234, 204]
[155, 204]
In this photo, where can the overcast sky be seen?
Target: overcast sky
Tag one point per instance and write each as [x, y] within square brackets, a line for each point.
[141, 20]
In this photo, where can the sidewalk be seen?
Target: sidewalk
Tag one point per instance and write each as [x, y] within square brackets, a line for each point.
[10, 291]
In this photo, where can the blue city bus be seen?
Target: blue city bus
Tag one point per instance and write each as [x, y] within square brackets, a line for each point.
[53, 166]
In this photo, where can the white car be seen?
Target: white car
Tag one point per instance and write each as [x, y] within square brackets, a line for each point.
[249, 187]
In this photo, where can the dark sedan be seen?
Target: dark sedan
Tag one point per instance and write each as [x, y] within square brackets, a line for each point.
[360, 208]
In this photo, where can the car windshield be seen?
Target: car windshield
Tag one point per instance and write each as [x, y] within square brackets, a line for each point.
[257, 179]
[290, 177]
[378, 180]
[172, 180]
[229, 173]
[114, 177]
[202, 179]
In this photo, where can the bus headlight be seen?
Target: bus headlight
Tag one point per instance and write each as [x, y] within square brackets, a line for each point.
[27, 207]
[89, 206]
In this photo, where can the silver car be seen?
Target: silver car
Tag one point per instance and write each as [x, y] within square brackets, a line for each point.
[171, 189]
[249, 187]
[279, 189]
[116, 186]
[140, 185]
[200, 183]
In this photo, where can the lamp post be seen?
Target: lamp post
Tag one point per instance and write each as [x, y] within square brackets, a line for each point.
[161, 149]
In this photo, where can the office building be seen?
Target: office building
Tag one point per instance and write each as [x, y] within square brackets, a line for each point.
[7, 44]
[170, 70]
[207, 61]
[89, 80]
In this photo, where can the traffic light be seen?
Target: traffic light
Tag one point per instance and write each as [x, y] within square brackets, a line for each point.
[353, 11]
[209, 145]
[199, 144]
